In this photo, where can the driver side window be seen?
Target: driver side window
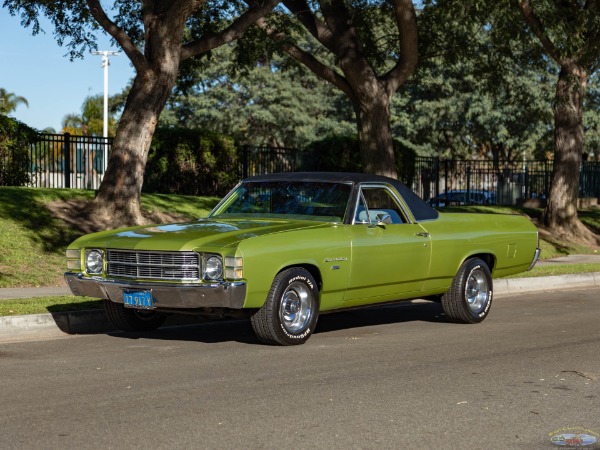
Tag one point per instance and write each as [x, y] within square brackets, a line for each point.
[378, 204]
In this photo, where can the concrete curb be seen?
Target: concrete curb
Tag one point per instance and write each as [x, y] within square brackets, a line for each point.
[7, 293]
[33, 326]
[510, 286]
[41, 326]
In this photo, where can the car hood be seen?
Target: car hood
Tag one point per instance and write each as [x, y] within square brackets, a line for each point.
[201, 234]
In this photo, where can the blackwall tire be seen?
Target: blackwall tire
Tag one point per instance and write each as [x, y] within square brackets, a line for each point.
[291, 310]
[127, 319]
[469, 298]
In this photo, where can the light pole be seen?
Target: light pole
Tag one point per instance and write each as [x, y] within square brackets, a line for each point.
[105, 63]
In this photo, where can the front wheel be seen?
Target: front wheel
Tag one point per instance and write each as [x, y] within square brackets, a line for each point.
[470, 296]
[127, 319]
[290, 313]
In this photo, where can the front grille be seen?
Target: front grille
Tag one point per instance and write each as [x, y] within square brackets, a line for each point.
[183, 266]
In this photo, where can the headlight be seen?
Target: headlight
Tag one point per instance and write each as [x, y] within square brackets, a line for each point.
[94, 261]
[213, 268]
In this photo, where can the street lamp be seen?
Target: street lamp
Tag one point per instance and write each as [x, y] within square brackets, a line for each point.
[105, 63]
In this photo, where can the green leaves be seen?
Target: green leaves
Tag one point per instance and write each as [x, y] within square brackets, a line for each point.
[15, 139]
[266, 104]
[9, 101]
[74, 27]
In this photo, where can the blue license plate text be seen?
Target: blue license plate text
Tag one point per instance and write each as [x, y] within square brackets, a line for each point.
[138, 299]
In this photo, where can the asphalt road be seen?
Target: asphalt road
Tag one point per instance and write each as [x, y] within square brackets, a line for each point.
[392, 377]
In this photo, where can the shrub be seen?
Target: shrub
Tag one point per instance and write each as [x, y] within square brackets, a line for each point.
[15, 141]
[342, 154]
[337, 154]
[192, 162]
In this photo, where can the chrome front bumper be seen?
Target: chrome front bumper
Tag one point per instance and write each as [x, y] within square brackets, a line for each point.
[165, 295]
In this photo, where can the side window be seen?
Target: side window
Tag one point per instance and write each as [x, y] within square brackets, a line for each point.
[377, 203]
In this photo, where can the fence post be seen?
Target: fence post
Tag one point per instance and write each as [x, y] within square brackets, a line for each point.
[468, 194]
[67, 159]
[527, 189]
[436, 171]
[446, 171]
[244, 161]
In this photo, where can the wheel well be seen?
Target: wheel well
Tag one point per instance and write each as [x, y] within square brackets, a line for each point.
[313, 270]
[488, 258]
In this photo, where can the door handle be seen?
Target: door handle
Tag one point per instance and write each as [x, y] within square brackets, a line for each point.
[422, 234]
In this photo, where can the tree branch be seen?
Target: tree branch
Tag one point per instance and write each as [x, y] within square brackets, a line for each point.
[255, 11]
[135, 56]
[538, 29]
[347, 47]
[406, 21]
[308, 60]
[307, 18]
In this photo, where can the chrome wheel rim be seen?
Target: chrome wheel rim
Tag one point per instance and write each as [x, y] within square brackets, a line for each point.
[295, 309]
[477, 291]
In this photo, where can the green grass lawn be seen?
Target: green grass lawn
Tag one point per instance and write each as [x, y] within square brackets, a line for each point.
[42, 305]
[33, 242]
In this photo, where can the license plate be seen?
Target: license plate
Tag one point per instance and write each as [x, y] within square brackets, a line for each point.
[138, 299]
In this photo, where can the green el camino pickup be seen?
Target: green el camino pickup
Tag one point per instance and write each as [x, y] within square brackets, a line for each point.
[283, 248]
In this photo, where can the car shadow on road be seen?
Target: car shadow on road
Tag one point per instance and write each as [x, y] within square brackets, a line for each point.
[220, 331]
[419, 311]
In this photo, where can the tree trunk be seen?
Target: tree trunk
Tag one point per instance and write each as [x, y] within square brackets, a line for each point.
[164, 22]
[375, 135]
[560, 214]
[118, 200]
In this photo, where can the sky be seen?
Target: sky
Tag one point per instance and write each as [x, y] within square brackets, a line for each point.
[35, 67]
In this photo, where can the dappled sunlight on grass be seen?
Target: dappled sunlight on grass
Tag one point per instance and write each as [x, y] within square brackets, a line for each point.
[33, 239]
[187, 206]
[42, 305]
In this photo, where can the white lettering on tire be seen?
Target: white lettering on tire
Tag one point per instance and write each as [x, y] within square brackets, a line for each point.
[295, 336]
[303, 279]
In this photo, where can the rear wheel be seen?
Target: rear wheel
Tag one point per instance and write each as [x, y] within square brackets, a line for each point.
[290, 313]
[470, 296]
[127, 319]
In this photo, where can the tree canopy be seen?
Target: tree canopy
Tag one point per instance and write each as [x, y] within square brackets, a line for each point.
[365, 49]
[260, 104]
[156, 36]
[546, 34]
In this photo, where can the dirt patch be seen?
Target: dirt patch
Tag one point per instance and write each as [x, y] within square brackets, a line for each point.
[75, 214]
[565, 239]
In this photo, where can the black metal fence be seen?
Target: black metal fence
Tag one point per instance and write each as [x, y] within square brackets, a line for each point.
[262, 160]
[498, 182]
[66, 161]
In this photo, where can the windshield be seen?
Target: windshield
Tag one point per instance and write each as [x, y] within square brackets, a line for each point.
[278, 199]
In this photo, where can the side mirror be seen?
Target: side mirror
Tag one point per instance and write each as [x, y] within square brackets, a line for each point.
[382, 219]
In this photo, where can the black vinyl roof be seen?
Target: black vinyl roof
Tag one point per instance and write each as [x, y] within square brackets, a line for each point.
[420, 209]
[331, 177]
